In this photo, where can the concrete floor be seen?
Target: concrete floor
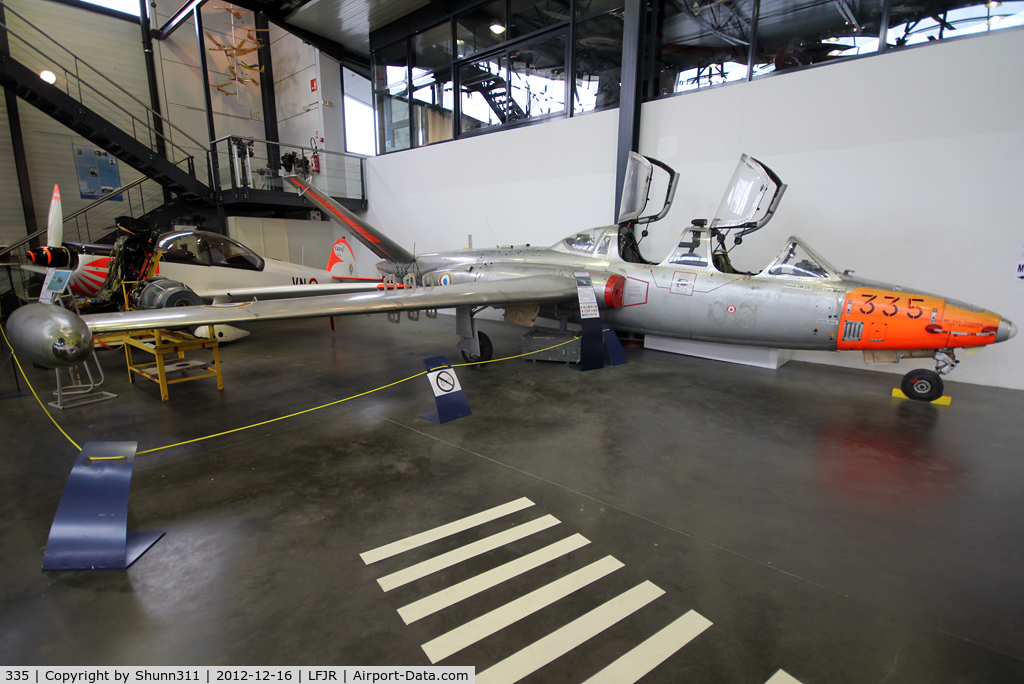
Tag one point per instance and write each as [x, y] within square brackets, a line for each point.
[823, 528]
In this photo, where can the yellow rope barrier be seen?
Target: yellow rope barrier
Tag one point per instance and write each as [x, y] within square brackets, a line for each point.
[41, 405]
[274, 420]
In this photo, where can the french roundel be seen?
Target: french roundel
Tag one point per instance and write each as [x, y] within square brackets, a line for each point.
[445, 279]
[731, 309]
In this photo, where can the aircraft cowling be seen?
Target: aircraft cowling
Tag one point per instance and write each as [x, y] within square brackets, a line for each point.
[49, 336]
[51, 257]
[164, 293]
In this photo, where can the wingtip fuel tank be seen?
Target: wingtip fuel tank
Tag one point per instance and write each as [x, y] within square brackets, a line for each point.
[49, 336]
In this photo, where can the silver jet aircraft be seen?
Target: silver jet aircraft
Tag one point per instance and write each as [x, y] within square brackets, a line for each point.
[799, 301]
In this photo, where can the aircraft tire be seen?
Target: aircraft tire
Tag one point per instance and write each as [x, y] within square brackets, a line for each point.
[922, 385]
[486, 350]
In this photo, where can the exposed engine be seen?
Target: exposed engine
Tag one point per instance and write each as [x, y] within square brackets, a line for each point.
[161, 293]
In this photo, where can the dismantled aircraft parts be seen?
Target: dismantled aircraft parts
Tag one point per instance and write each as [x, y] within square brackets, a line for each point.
[163, 293]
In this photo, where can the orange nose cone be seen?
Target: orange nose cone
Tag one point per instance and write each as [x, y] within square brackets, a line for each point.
[875, 318]
[969, 327]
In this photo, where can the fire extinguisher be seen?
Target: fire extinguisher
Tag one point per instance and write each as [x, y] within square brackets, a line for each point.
[314, 159]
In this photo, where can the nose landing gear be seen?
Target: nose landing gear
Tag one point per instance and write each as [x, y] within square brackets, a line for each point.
[926, 385]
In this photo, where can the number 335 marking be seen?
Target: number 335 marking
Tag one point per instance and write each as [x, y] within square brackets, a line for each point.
[891, 309]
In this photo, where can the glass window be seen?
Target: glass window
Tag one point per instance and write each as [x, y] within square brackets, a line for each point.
[607, 243]
[529, 16]
[815, 31]
[389, 66]
[913, 24]
[480, 29]
[796, 261]
[598, 63]
[433, 102]
[181, 248]
[586, 8]
[432, 49]
[537, 78]
[690, 251]
[483, 86]
[360, 133]
[581, 242]
[221, 251]
[702, 44]
[393, 121]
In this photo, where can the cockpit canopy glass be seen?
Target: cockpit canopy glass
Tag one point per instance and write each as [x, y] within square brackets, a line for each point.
[596, 242]
[200, 248]
[799, 260]
[751, 198]
[636, 188]
[580, 242]
[691, 251]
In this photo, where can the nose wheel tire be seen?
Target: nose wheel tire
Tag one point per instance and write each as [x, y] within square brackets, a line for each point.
[486, 350]
[922, 385]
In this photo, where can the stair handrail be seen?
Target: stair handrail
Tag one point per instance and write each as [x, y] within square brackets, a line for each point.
[98, 73]
[7, 249]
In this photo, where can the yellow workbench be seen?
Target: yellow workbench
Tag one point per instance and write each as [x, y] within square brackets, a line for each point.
[160, 343]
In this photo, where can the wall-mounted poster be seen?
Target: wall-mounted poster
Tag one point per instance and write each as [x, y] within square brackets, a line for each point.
[97, 172]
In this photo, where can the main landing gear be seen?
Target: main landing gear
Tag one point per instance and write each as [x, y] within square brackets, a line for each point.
[476, 347]
[926, 385]
[486, 350]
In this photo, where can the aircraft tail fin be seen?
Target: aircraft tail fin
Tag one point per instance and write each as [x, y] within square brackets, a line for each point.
[374, 240]
[342, 263]
[55, 221]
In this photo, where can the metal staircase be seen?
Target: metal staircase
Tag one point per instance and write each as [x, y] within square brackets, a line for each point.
[495, 91]
[98, 109]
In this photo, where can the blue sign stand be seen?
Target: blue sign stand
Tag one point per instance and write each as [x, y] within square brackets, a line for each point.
[596, 338]
[591, 344]
[90, 528]
[616, 354]
[451, 400]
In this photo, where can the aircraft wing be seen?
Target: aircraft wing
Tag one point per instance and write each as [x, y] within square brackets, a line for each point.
[539, 288]
[248, 294]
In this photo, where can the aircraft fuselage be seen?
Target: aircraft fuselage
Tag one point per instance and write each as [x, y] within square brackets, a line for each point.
[825, 311]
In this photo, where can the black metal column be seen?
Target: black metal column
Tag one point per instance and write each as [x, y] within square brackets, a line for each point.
[211, 129]
[270, 131]
[18, 143]
[154, 90]
[752, 48]
[629, 97]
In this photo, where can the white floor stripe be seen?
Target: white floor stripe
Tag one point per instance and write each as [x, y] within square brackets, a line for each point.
[402, 545]
[652, 652]
[474, 585]
[500, 618]
[782, 677]
[564, 639]
[446, 560]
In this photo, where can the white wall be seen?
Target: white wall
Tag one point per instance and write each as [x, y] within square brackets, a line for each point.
[902, 167]
[530, 185]
[308, 243]
[110, 45]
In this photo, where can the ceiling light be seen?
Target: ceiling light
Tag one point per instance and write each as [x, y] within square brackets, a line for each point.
[497, 28]
[48, 76]
[993, 4]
